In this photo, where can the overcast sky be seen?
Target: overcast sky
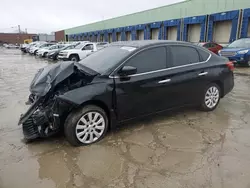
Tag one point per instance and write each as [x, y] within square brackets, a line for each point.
[52, 15]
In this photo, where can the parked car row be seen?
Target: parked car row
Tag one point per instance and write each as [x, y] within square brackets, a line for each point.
[123, 81]
[66, 52]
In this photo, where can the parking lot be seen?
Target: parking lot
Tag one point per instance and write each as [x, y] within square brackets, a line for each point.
[181, 149]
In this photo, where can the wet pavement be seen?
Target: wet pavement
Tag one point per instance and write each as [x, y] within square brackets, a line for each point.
[182, 149]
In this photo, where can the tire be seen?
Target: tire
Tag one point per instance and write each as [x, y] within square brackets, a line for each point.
[75, 124]
[210, 104]
[74, 58]
[44, 55]
[35, 52]
[55, 58]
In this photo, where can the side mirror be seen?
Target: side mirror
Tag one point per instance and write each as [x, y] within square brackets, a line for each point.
[127, 70]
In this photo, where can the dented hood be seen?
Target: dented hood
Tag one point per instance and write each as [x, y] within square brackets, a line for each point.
[50, 76]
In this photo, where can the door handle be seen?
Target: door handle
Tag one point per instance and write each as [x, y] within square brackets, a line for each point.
[203, 74]
[164, 81]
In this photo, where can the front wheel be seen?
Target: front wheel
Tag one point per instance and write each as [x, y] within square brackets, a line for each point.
[211, 97]
[86, 125]
[74, 58]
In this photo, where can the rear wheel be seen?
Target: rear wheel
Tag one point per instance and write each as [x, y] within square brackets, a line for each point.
[86, 125]
[74, 58]
[211, 97]
[45, 54]
[55, 58]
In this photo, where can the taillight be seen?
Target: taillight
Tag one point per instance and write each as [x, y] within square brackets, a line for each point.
[230, 65]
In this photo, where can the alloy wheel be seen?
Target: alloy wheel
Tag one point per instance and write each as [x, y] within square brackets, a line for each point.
[90, 127]
[212, 97]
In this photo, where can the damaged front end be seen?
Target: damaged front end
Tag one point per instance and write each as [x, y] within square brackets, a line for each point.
[48, 111]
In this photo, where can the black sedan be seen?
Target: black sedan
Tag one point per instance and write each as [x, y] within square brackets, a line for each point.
[123, 81]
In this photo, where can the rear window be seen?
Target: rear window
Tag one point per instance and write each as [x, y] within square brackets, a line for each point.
[184, 55]
[204, 55]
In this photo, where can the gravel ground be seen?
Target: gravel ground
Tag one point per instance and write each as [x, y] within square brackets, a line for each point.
[182, 149]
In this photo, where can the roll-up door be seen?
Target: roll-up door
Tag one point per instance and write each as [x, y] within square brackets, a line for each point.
[118, 36]
[101, 38]
[128, 36]
[248, 31]
[194, 31]
[172, 33]
[110, 37]
[222, 31]
[154, 34]
[140, 35]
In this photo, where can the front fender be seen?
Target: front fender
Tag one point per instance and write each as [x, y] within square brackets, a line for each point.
[96, 92]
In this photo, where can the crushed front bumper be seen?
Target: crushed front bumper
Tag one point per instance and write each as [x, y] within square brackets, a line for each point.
[42, 123]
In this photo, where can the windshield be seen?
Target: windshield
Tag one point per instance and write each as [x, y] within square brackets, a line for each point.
[80, 46]
[200, 44]
[41, 46]
[105, 59]
[51, 47]
[242, 43]
[68, 47]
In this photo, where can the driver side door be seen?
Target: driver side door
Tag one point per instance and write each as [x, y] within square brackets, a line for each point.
[141, 93]
[87, 49]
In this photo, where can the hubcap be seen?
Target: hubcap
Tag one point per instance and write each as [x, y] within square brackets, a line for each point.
[90, 127]
[73, 59]
[212, 97]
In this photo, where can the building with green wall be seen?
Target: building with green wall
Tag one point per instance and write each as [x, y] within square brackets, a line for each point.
[208, 26]
[179, 10]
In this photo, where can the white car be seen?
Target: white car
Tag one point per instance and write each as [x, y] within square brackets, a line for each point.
[11, 46]
[80, 51]
[44, 51]
[33, 50]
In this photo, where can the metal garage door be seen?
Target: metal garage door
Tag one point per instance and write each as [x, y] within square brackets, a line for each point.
[84, 38]
[248, 31]
[128, 36]
[118, 36]
[194, 32]
[140, 35]
[154, 34]
[172, 33]
[102, 38]
[221, 31]
[110, 37]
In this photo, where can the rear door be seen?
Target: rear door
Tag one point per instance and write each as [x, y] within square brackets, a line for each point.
[187, 74]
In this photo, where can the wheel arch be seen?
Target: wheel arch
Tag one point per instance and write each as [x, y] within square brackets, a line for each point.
[221, 85]
[74, 54]
[101, 105]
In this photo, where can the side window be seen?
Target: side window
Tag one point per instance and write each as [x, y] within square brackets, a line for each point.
[149, 60]
[88, 47]
[204, 55]
[184, 55]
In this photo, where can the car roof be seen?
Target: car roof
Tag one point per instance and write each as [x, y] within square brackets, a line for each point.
[145, 43]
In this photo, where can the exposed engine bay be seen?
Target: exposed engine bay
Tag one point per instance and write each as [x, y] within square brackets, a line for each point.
[47, 111]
